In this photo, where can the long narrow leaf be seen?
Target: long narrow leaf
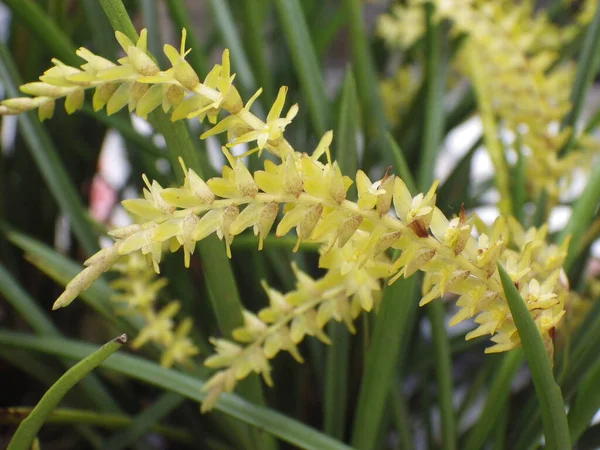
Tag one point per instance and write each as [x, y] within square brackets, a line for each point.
[303, 54]
[190, 387]
[552, 407]
[390, 331]
[69, 416]
[587, 67]
[28, 429]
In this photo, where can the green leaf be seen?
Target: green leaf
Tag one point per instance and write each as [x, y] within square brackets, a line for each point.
[68, 416]
[364, 70]
[585, 404]
[391, 324]
[305, 60]
[255, 13]
[549, 395]
[587, 67]
[181, 18]
[188, 386]
[227, 28]
[29, 428]
[582, 215]
[400, 164]
[498, 392]
[433, 133]
[44, 28]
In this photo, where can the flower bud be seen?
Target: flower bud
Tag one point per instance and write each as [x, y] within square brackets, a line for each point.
[142, 63]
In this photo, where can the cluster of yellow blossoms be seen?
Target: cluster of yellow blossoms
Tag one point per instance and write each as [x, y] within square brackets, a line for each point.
[138, 288]
[516, 50]
[306, 193]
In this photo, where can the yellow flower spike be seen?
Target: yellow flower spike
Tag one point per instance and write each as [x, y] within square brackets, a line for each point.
[313, 193]
[102, 262]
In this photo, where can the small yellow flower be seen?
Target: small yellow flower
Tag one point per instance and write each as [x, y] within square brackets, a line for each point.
[181, 347]
[159, 327]
[415, 213]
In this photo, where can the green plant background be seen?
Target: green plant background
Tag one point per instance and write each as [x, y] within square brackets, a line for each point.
[392, 385]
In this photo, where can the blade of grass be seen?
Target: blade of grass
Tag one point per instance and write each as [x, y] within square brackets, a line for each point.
[400, 164]
[68, 416]
[389, 341]
[25, 306]
[181, 17]
[48, 161]
[188, 386]
[490, 131]
[327, 29]
[498, 392]
[434, 126]
[402, 418]
[229, 31]
[29, 428]
[305, 60]
[30, 365]
[346, 153]
[144, 421]
[552, 407]
[364, 70]
[518, 190]
[587, 67]
[103, 40]
[255, 13]
[149, 9]
[582, 214]
[585, 404]
[500, 431]
[381, 361]
[44, 28]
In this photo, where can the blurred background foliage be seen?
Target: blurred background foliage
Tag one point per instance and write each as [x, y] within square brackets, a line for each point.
[399, 101]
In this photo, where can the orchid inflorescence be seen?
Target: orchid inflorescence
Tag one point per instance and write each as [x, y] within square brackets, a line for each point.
[307, 193]
[517, 54]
